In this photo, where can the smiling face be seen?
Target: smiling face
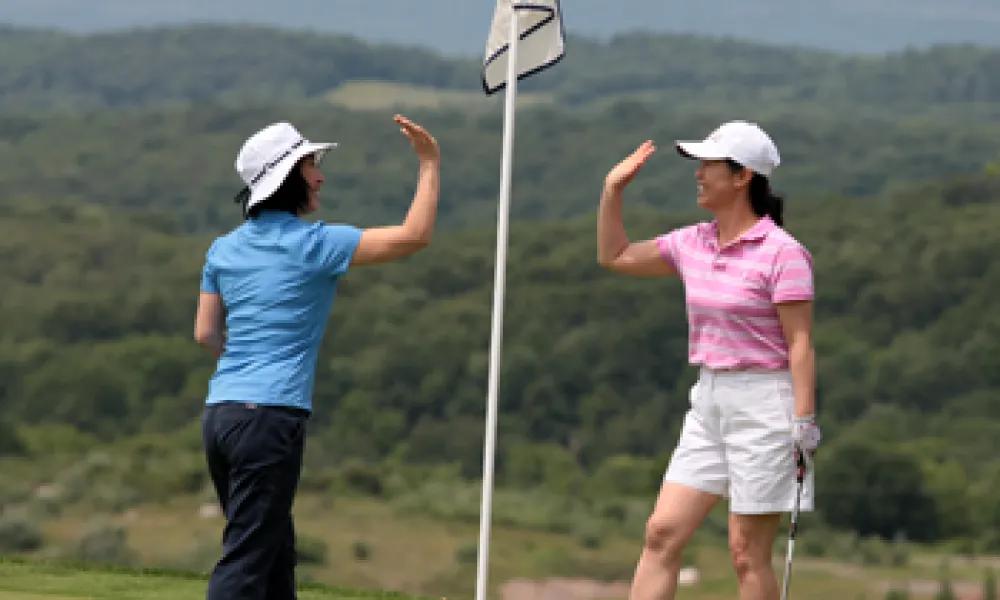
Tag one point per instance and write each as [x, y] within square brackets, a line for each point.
[314, 181]
[718, 185]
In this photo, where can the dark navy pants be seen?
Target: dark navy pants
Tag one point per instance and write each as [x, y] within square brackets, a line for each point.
[254, 456]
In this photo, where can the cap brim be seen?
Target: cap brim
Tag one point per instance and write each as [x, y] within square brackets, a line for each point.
[706, 150]
[273, 180]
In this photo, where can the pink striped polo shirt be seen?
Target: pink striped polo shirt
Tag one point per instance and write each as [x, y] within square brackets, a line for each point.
[731, 292]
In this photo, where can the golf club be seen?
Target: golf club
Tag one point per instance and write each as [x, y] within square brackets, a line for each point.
[800, 473]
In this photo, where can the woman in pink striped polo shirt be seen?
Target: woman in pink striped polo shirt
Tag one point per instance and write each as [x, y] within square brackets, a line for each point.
[749, 290]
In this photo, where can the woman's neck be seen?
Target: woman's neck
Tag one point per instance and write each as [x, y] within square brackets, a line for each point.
[734, 222]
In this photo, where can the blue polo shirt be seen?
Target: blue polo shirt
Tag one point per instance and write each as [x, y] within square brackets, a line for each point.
[277, 275]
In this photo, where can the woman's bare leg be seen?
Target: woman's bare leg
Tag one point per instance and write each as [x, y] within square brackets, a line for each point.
[751, 542]
[678, 513]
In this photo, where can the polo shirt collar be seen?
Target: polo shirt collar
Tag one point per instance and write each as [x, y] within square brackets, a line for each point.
[710, 231]
[273, 216]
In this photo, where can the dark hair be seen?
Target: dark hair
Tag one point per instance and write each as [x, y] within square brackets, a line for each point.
[291, 196]
[763, 201]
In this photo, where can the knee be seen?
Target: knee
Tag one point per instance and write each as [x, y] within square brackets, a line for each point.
[664, 538]
[748, 556]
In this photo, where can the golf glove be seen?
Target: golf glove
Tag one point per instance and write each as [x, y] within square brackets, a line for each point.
[806, 435]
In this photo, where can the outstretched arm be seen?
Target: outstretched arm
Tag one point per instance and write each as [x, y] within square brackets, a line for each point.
[383, 244]
[614, 251]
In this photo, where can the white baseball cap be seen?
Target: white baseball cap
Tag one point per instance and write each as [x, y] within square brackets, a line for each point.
[268, 155]
[743, 142]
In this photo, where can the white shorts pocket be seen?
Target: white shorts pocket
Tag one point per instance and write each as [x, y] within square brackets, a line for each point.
[757, 432]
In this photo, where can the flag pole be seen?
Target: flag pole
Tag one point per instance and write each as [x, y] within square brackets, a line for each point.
[496, 337]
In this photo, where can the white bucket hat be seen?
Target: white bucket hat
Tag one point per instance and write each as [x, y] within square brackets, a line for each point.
[743, 142]
[267, 157]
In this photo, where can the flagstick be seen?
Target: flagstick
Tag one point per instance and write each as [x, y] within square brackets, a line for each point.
[489, 444]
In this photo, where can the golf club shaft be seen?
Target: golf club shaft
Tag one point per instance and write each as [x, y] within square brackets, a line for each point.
[793, 530]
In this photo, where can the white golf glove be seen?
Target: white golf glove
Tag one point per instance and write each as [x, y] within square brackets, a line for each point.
[806, 435]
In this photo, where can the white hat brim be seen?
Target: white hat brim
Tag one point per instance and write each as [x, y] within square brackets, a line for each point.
[706, 150]
[276, 176]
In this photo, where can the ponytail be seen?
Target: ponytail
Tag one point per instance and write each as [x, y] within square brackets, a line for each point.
[764, 202]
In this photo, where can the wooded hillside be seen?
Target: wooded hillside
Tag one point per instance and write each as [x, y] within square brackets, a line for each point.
[46, 70]
[97, 321]
[179, 162]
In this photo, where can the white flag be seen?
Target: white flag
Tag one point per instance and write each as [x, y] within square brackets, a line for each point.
[541, 44]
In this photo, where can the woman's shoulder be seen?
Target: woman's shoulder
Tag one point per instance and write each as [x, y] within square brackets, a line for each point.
[224, 249]
[783, 239]
[223, 241]
[686, 232]
[788, 249]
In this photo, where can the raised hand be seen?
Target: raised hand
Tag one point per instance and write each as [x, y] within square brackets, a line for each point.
[423, 143]
[623, 173]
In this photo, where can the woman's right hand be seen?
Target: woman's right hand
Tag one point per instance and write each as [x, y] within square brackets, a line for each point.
[423, 143]
[624, 172]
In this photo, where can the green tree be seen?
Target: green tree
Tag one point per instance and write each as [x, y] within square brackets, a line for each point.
[10, 440]
[548, 465]
[879, 491]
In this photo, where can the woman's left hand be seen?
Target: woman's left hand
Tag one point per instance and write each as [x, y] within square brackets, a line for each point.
[424, 144]
[806, 435]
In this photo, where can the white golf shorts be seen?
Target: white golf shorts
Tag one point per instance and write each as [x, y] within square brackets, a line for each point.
[736, 442]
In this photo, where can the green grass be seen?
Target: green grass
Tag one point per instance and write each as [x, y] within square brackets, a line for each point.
[57, 580]
[384, 95]
[409, 552]
[64, 580]
[412, 553]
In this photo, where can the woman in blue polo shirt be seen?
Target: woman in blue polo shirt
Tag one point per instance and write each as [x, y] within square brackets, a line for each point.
[267, 289]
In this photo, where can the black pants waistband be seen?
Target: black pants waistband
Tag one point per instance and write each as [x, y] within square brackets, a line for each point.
[292, 410]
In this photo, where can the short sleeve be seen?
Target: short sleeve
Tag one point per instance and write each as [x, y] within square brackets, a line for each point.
[792, 278]
[336, 247]
[209, 274]
[669, 246]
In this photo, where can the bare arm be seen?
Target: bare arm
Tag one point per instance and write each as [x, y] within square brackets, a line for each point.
[383, 244]
[209, 323]
[796, 321]
[615, 252]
